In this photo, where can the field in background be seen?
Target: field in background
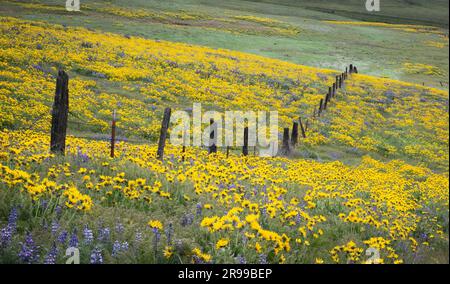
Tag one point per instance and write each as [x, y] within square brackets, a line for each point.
[295, 31]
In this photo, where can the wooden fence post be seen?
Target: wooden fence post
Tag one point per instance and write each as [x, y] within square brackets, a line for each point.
[285, 147]
[325, 103]
[163, 134]
[183, 151]
[245, 147]
[302, 128]
[333, 94]
[212, 137]
[320, 107]
[113, 133]
[355, 70]
[228, 151]
[351, 69]
[60, 111]
[294, 137]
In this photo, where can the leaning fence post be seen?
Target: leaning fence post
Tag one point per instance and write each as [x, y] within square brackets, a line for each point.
[212, 137]
[320, 107]
[302, 128]
[113, 133]
[294, 136]
[286, 150]
[355, 70]
[163, 134]
[333, 94]
[245, 147]
[60, 111]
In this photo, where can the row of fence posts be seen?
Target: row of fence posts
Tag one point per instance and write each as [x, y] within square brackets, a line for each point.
[60, 112]
[289, 143]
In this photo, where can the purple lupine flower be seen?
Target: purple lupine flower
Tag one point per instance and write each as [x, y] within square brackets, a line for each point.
[88, 235]
[96, 256]
[29, 252]
[50, 258]
[116, 248]
[262, 259]
[119, 228]
[197, 260]
[12, 220]
[199, 209]
[44, 204]
[169, 233]
[264, 211]
[241, 260]
[5, 236]
[104, 234]
[424, 236]
[124, 246]
[138, 237]
[244, 239]
[54, 227]
[156, 239]
[58, 211]
[73, 242]
[298, 218]
[62, 238]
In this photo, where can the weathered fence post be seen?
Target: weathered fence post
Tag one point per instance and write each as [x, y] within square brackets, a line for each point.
[302, 128]
[228, 151]
[60, 111]
[355, 70]
[212, 137]
[183, 151]
[113, 133]
[294, 137]
[320, 107]
[285, 147]
[325, 103]
[245, 147]
[163, 134]
[333, 94]
[351, 69]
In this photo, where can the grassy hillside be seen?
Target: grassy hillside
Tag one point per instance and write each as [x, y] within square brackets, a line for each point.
[294, 31]
[424, 12]
[372, 172]
[138, 77]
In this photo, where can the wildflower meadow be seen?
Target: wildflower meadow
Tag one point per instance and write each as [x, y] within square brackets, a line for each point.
[365, 180]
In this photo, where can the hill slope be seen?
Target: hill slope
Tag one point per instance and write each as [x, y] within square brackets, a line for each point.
[291, 33]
